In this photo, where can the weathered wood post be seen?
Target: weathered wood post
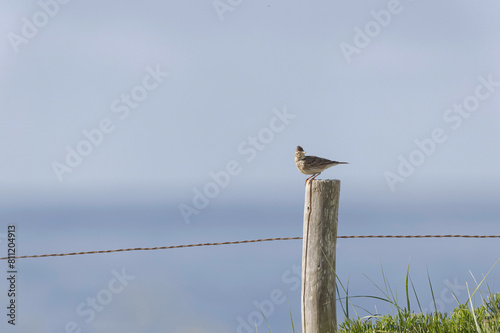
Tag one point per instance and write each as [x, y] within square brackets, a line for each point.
[318, 256]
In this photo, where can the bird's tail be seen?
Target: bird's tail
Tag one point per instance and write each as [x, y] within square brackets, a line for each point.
[342, 162]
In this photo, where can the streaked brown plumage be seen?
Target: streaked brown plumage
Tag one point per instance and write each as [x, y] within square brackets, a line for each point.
[312, 165]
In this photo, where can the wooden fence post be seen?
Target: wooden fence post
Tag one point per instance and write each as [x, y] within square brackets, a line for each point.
[318, 256]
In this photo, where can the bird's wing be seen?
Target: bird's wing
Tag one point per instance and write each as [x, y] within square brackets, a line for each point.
[314, 161]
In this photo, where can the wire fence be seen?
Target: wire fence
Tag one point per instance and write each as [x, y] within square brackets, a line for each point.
[240, 242]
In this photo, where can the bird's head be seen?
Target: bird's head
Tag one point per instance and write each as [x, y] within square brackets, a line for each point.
[299, 153]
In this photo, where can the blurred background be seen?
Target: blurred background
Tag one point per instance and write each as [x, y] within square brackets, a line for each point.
[128, 124]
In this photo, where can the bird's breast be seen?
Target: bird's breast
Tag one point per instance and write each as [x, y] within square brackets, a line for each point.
[301, 165]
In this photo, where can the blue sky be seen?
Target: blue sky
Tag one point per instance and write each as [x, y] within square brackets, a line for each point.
[225, 78]
[200, 104]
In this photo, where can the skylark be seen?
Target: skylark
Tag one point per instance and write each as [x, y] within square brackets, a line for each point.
[312, 165]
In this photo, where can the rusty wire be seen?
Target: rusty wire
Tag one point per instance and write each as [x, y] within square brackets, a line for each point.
[241, 242]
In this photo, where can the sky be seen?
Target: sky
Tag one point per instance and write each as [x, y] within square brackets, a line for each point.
[198, 106]
[220, 75]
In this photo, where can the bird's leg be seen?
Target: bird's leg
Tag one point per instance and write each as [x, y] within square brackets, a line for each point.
[308, 179]
[312, 177]
[316, 175]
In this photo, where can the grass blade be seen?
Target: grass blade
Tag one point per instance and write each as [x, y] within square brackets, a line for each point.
[472, 310]
[264, 319]
[406, 287]
[291, 318]
[432, 291]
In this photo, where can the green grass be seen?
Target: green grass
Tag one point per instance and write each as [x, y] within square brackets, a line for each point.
[485, 318]
[465, 318]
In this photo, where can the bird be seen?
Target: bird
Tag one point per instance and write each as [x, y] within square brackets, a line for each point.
[312, 165]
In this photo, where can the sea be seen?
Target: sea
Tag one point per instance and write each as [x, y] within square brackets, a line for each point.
[239, 288]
